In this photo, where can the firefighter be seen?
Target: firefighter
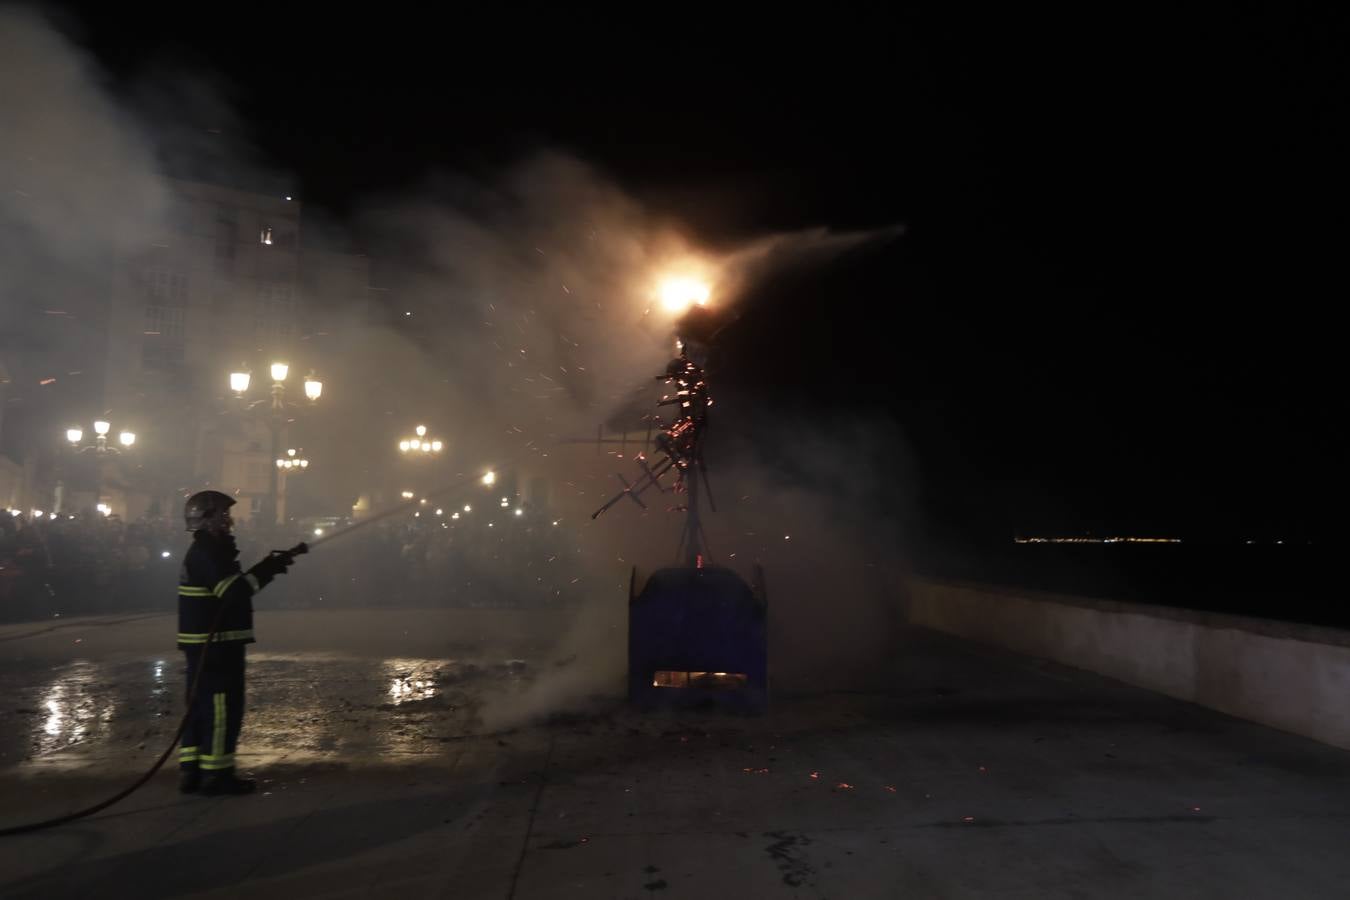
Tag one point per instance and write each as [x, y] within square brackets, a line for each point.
[212, 590]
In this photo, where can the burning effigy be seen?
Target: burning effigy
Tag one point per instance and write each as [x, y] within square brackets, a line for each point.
[696, 630]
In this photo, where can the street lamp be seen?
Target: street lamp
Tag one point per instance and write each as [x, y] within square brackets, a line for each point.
[75, 434]
[277, 419]
[100, 447]
[420, 443]
[290, 461]
[489, 478]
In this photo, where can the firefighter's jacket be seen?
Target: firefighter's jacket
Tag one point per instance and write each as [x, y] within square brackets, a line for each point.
[211, 584]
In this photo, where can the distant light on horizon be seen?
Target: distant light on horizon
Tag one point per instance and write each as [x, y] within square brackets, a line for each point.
[1096, 540]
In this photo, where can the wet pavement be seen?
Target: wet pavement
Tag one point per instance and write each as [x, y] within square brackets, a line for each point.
[958, 772]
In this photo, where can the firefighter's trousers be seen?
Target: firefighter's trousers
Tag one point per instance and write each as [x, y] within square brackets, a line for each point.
[216, 713]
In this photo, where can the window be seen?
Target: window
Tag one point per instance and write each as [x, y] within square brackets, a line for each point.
[166, 296]
[227, 232]
[257, 476]
[274, 312]
[161, 354]
[164, 321]
[165, 287]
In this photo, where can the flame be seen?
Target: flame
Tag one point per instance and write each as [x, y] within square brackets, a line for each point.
[680, 292]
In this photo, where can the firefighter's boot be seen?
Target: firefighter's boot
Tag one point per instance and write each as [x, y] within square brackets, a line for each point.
[190, 780]
[225, 782]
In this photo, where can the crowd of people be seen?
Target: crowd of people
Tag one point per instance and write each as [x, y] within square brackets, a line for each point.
[84, 565]
[94, 564]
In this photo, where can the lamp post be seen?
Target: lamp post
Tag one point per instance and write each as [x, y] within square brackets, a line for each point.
[101, 447]
[420, 444]
[290, 464]
[276, 417]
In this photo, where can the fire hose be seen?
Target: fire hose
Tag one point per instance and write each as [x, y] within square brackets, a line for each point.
[140, 782]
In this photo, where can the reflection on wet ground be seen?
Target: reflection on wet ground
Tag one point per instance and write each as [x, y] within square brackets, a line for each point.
[85, 712]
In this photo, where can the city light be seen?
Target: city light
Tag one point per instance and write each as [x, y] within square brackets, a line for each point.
[407, 495]
[313, 388]
[417, 443]
[37, 514]
[468, 508]
[440, 512]
[104, 508]
[454, 515]
[519, 511]
[1097, 540]
[318, 532]
[279, 371]
[75, 434]
[490, 478]
[239, 381]
[164, 554]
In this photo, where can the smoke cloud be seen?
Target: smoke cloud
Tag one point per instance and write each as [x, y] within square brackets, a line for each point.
[514, 315]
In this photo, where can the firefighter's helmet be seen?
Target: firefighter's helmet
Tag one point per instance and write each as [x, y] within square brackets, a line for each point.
[204, 506]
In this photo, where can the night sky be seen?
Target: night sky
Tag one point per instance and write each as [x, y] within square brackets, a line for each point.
[1113, 306]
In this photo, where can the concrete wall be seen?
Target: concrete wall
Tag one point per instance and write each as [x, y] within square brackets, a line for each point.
[1292, 677]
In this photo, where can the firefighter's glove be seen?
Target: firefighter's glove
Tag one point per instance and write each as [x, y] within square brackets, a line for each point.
[270, 567]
